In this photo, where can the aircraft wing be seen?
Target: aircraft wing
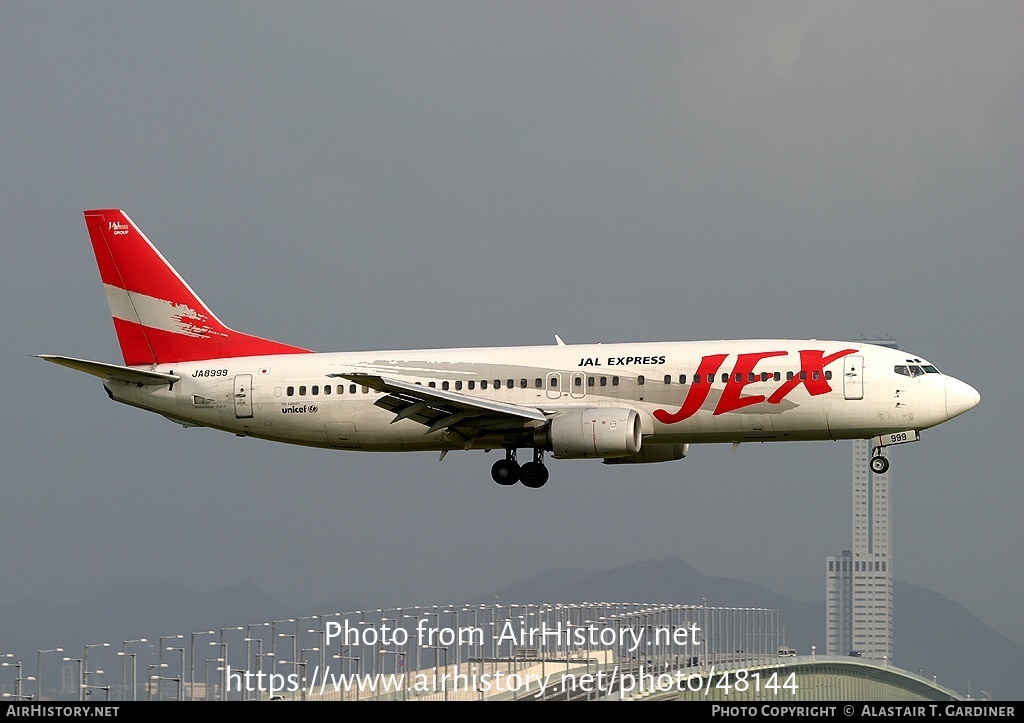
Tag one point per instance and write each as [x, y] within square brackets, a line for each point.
[438, 408]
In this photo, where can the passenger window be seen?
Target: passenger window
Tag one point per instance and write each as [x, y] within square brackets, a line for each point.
[483, 384]
[444, 386]
[523, 384]
[668, 378]
[604, 381]
[682, 379]
[725, 378]
[290, 391]
[472, 384]
[316, 389]
[341, 389]
[640, 380]
[366, 390]
[538, 382]
[497, 384]
[777, 376]
[803, 375]
[351, 388]
[554, 382]
[432, 385]
[590, 381]
[511, 383]
[828, 375]
[577, 381]
[615, 381]
[458, 385]
[789, 376]
[815, 375]
[302, 391]
[327, 388]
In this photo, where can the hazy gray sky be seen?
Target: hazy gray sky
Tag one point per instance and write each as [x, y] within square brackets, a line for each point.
[348, 176]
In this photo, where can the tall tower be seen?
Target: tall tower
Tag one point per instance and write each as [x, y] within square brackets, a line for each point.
[859, 581]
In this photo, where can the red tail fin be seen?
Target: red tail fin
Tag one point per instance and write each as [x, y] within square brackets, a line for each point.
[158, 318]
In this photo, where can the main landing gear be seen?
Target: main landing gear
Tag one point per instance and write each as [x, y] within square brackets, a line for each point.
[508, 471]
[879, 464]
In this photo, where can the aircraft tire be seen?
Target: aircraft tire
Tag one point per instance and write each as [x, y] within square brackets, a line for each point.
[533, 475]
[505, 471]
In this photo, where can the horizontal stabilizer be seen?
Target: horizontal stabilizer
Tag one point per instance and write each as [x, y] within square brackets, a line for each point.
[111, 371]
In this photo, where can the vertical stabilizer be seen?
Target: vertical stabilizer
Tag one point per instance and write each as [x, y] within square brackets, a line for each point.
[157, 317]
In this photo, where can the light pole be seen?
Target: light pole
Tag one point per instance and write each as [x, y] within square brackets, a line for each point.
[223, 668]
[150, 678]
[358, 660]
[160, 659]
[301, 662]
[39, 669]
[17, 680]
[323, 649]
[273, 633]
[192, 662]
[400, 670]
[80, 682]
[248, 654]
[227, 664]
[97, 687]
[298, 621]
[444, 674]
[206, 679]
[181, 670]
[135, 678]
[85, 664]
[295, 643]
[258, 661]
[124, 662]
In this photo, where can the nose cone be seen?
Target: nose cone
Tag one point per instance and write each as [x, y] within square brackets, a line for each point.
[960, 397]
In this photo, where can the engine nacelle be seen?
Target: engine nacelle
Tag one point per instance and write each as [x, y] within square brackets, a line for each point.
[654, 453]
[598, 432]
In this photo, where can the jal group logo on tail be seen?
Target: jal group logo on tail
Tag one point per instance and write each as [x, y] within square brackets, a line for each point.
[117, 227]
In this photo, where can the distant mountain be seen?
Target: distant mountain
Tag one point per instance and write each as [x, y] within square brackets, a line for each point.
[933, 635]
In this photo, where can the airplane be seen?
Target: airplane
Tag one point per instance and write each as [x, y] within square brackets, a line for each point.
[621, 403]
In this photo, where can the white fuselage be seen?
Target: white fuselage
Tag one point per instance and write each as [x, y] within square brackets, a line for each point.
[748, 390]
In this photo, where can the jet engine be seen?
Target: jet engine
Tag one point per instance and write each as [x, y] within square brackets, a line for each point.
[600, 432]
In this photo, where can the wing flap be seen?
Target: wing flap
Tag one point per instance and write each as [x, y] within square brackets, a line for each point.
[439, 409]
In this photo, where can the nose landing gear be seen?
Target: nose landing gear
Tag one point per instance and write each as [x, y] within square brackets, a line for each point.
[879, 464]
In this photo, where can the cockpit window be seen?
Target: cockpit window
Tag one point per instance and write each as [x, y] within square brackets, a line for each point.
[916, 371]
[930, 369]
[900, 369]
